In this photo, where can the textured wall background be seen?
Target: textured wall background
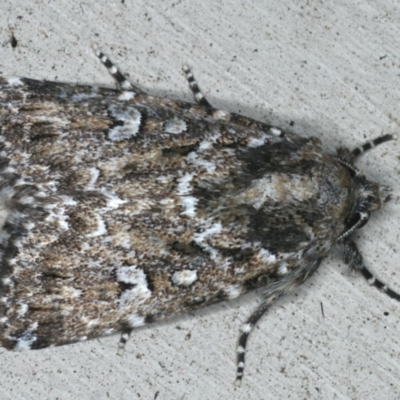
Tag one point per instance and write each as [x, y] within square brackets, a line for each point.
[334, 71]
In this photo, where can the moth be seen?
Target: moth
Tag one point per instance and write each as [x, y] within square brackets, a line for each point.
[118, 209]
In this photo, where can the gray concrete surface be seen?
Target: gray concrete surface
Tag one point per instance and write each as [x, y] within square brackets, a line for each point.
[333, 68]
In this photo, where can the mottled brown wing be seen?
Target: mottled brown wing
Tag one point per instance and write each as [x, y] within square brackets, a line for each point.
[117, 209]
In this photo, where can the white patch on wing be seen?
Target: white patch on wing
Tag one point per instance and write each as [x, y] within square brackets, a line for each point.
[194, 159]
[189, 206]
[126, 95]
[6, 194]
[23, 308]
[257, 141]
[275, 131]
[129, 118]
[188, 203]
[221, 115]
[266, 256]
[71, 292]
[15, 81]
[184, 278]
[282, 269]
[201, 238]
[184, 187]
[25, 341]
[57, 216]
[175, 125]
[233, 291]
[135, 320]
[113, 201]
[139, 291]
[95, 173]
[101, 228]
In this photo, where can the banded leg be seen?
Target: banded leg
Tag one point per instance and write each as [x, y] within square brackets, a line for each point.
[353, 259]
[371, 144]
[245, 332]
[125, 335]
[194, 87]
[122, 82]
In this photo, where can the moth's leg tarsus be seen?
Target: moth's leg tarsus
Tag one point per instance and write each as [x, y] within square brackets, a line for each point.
[194, 87]
[125, 335]
[371, 144]
[122, 82]
[353, 258]
[245, 332]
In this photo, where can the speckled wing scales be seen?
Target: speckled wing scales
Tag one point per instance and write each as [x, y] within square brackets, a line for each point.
[118, 209]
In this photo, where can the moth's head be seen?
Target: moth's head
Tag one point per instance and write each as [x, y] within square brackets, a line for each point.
[368, 197]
